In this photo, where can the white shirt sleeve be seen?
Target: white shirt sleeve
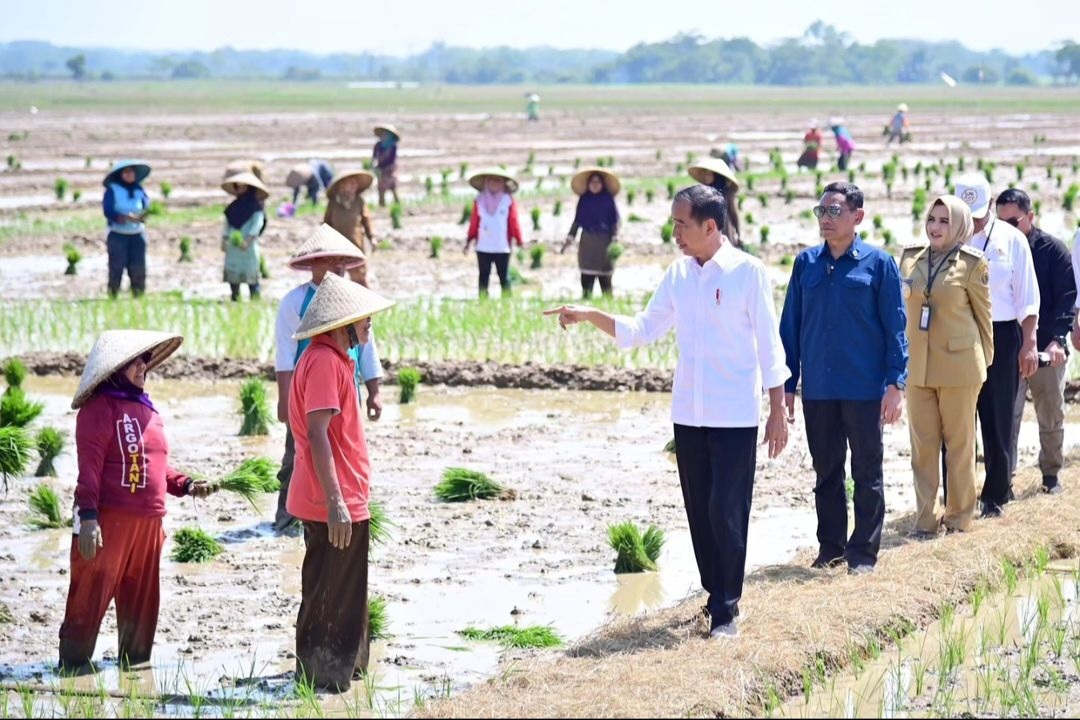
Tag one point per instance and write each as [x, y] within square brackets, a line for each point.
[1076, 263]
[288, 320]
[651, 323]
[770, 349]
[1025, 284]
[370, 364]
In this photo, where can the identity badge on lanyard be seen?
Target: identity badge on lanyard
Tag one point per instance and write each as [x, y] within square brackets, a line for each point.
[932, 273]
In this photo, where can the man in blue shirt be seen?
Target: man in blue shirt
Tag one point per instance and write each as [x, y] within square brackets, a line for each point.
[843, 329]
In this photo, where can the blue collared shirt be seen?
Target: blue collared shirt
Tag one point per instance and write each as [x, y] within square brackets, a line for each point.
[844, 324]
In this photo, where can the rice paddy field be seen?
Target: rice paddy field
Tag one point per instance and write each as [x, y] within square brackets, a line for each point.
[502, 605]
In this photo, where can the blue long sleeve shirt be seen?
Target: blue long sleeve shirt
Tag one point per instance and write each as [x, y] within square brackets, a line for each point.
[843, 325]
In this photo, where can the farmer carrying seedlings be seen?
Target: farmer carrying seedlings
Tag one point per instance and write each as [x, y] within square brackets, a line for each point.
[716, 173]
[598, 219]
[811, 148]
[494, 225]
[245, 221]
[347, 213]
[384, 160]
[124, 474]
[327, 252]
[125, 205]
[329, 489]
[720, 302]
[314, 175]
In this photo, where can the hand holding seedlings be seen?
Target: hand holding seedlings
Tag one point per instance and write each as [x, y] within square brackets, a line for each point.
[90, 539]
[201, 489]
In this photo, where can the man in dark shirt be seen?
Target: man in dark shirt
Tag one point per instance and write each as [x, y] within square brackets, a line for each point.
[843, 328]
[1057, 292]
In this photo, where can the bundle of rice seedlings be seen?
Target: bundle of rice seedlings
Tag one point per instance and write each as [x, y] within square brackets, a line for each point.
[61, 187]
[670, 447]
[557, 210]
[73, 257]
[508, 636]
[460, 485]
[14, 373]
[377, 618]
[254, 476]
[537, 256]
[50, 443]
[166, 190]
[76, 195]
[395, 216]
[436, 247]
[379, 524]
[630, 196]
[185, 250]
[466, 214]
[463, 170]
[535, 215]
[764, 234]
[408, 379]
[637, 552]
[16, 410]
[193, 545]
[614, 252]
[255, 408]
[45, 505]
[15, 449]
[650, 195]
[667, 231]
[264, 270]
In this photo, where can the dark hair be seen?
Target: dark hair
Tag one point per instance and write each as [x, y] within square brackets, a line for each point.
[853, 196]
[1016, 197]
[706, 203]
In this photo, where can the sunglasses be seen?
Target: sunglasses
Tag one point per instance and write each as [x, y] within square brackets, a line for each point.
[1015, 222]
[834, 211]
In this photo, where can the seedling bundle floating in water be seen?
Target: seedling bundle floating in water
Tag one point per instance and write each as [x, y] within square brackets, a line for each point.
[509, 636]
[408, 379]
[50, 443]
[45, 505]
[637, 552]
[15, 449]
[461, 485]
[255, 408]
[192, 545]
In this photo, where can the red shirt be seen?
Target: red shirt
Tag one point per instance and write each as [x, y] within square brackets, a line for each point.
[123, 459]
[324, 380]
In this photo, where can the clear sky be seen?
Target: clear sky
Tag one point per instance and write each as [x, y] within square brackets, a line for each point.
[401, 27]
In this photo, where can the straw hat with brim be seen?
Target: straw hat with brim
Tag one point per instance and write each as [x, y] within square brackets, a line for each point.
[580, 183]
[232, 184]
[902, 107]
[363, 178]
[113, 351]
[380, 129]
[239, 166]
[142, 171]
[326, 243]
[478, 179]
[339, 302]
[715, 166]
[299, 175]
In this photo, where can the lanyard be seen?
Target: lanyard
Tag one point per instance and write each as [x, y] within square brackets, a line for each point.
[986, 242]
[933, 272]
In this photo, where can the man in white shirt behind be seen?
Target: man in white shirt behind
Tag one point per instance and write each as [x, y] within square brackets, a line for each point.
[720, 303]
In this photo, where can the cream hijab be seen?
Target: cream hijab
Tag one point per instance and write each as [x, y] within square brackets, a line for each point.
[961, 226]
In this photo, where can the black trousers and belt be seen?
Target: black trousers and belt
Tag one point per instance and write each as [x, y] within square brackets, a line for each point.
[716, 470]
[831, 426]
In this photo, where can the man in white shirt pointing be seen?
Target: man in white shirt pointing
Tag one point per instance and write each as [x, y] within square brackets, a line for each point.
[720, 303]
[1014, 308]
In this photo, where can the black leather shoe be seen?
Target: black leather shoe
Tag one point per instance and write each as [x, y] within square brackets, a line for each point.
[990, 510]
[1051, 485]
[823, 562]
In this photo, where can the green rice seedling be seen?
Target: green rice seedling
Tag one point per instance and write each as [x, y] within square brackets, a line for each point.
[807, 684]
[385, 245]
[379, 525]
[551, 170]
[1020, 171]
[445, 173]
[535, 215]
[988, 171]
[888, 188]
[653, 540]
[635, 218]
[1040, 561]
[264, 270]
[408, 378]
[536, 255]
[789, 196]
[773, 701]
[466, 214]
[763, 199]
[236, 238]
[156, 209]
[650, 195]
[691, 157]
[627, 540]
[630, 196]
[539, 184]
[557, 210]
[670, 446]
[16, 410]
[783, 181]
[254, 477]
[12, 161]
[659, 155]
[667, 232]
[851, 176]
[1008, 571]
[614, 252]
[461, 485]
[787, 261]
[879, 223]
[50, 443]
[166, 190]
[194, 545]
[764, 234]
[185, 249]
[806, 215]
[532, 158]
[516, 278]
[61, 188]
[45, 505]
[750, 179]
[15, 449]
[463, 170]
[73, 257]
[749, 218]
[76, 196]
[378, 620]
[436, 243]
[979, 595]
[429, 185]
[395, 216]
[670, 189]
[14, 373]
[577, 163]
[1068, 201]
[514, 637]
[255, 408]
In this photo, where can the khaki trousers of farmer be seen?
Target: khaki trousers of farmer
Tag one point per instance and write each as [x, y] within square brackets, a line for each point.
[1048, 395]
[936, 415]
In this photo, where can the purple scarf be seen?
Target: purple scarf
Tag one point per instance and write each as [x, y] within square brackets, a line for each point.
[490, 201]
[118, 386]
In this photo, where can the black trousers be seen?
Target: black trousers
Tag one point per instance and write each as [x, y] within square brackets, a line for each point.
[283, 519]
[501, 261]
[127, 252]
[589, 281]
[716, 470]
[995, 407]
[831, 426]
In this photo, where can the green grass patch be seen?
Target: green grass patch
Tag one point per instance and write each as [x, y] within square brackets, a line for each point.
[636, 551]
[508, 636]
[462, 485]
[194, 545]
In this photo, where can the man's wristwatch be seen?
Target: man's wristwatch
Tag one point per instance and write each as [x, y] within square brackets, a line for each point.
[1063, 342]
[900, 385]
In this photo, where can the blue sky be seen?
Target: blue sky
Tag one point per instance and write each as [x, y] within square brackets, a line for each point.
[401, 27]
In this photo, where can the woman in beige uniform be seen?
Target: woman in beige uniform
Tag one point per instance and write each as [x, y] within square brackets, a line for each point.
[947, 294]
[347, 213]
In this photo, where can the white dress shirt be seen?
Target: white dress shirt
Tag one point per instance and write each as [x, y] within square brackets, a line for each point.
[1014, 289]
[288, 320]
[727, 334]
[1076, 263]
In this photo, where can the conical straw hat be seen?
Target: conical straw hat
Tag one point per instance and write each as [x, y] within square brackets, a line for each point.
[238, 166]
[902, 107]
[142, 171]
[580, 183]
[326, 242]
[713, 165]
[232, 183]
[387, 127]
[339, 302]
[363, 177]
[299, 175]
[114, 349]
[478, 179]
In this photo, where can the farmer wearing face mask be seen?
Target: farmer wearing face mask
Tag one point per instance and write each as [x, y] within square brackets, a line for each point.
[330, 485]
[124, 475]
[325, 253]
[125, 205]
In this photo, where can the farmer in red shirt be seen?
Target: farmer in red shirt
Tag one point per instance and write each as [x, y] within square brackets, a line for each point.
[124, 474]
[329, 488]
[494, 226]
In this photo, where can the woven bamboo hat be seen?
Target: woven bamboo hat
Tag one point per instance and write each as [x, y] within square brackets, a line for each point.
[299, 175]
[699, 171]
[232, 184]
[363, 177]
[238, 166]
[478, 179]
[580, 183]
[339, 302]
[326, 242]
[114, 349]
[387, 128]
